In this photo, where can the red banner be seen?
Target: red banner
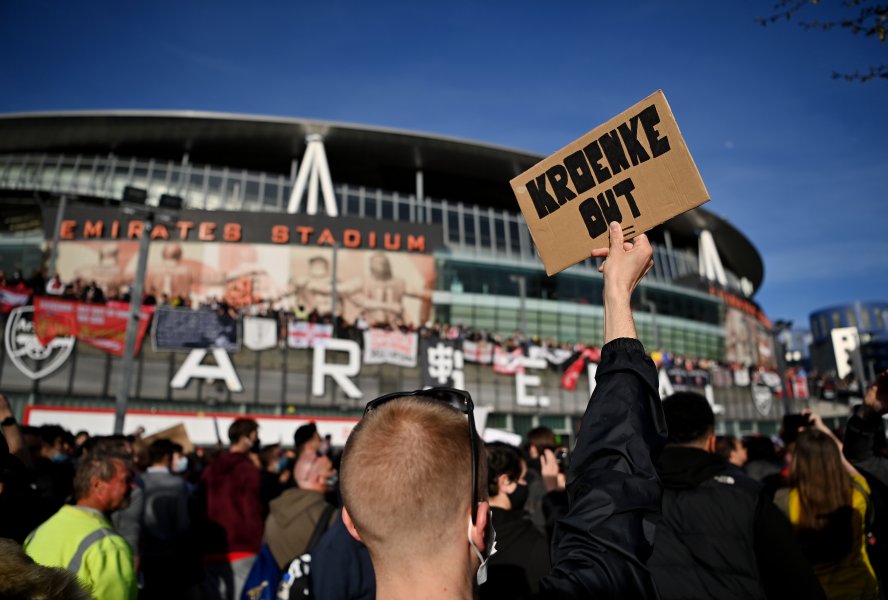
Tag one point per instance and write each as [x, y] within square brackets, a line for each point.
[573, 371]
[99, 325]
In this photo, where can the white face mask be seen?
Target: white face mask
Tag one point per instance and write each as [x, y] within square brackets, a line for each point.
[181, 464]
[490, 539]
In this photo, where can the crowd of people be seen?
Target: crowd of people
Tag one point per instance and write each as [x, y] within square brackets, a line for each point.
[648, 503]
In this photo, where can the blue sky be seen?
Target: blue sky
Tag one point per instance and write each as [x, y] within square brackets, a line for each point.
[795, 159]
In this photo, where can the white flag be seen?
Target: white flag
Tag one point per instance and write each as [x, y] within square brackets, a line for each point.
[260, 333]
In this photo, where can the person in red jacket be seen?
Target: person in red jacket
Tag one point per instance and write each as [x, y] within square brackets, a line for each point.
[231, 514]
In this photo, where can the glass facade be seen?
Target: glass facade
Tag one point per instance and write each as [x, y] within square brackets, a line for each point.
[480, 242]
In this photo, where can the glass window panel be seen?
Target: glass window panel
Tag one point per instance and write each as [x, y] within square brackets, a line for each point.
[159, 175]
[353, 204]
[469, 222]
[485, 323]
[484, 233]
[251, 193]
[196, 179]
[403, 210]
[500, 232]
[270, 194]
[865, 322]
[437, 215]
[453, 226]
[388, 209]
[514, 240]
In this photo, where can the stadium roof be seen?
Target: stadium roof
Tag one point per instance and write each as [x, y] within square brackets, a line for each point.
[359, 155]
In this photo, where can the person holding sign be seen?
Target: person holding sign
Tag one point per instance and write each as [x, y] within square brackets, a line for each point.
[412, 474]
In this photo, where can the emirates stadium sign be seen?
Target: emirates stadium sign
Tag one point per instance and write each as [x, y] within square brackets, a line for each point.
[250, 227]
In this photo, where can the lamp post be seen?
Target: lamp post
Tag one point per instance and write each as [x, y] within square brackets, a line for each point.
[780, 349]
[652, 306]
[54, 253]
[134, 204]
[521, 280]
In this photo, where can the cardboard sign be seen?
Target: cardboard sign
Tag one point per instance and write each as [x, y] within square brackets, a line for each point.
[635, 169]
[176, 434]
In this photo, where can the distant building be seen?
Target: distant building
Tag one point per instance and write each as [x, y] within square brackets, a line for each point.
[850, 339]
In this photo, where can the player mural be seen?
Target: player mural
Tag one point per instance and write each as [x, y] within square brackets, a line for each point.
[385, 288]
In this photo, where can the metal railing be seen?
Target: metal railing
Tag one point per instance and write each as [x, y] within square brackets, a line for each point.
[469, 230]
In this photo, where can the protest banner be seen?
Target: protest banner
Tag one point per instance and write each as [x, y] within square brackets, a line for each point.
[635, 170]
[478, 352]
[186, 329]
[100, 325]
[508, 362]
[13, 296]
[553, 356]
[577, 366]
[302, 334]
[390, 347]
[260, 333]
[441, 362]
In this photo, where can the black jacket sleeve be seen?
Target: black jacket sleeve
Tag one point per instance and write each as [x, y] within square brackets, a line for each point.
[784, 570]
[859, 446]
[600, 547]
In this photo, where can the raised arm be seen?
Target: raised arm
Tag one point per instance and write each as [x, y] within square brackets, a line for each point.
[12, 433]
[861, 431]
[600, 548]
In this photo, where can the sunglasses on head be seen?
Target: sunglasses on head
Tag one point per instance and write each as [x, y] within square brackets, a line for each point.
[458, 400]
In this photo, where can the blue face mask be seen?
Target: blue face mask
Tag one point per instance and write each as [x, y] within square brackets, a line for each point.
[282, 463]
[59, 457]
[181, 464]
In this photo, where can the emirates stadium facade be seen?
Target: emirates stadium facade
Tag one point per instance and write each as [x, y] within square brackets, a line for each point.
[296, 218]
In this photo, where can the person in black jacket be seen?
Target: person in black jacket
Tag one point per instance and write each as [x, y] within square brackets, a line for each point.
[719, 536]
[522, 558]
[406, 475]
[864, 447]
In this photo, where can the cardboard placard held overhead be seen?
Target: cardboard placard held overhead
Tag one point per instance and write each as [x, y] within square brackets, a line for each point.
[177, 434]
[635, 169]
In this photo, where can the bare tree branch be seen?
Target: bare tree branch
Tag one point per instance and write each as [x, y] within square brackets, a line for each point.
[866, 18]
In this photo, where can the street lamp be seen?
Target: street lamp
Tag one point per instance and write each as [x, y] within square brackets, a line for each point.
[167, 210]
[781, 326]
[521, 280]
[652, 306]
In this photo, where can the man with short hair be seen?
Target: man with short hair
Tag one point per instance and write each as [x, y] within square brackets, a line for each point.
[231, 508]
[720, 536]
[732, 449]
[306, 440]
[80, 539]
[413, 486]
[166, 554]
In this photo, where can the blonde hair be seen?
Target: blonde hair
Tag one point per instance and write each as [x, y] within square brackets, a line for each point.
[406, 477]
